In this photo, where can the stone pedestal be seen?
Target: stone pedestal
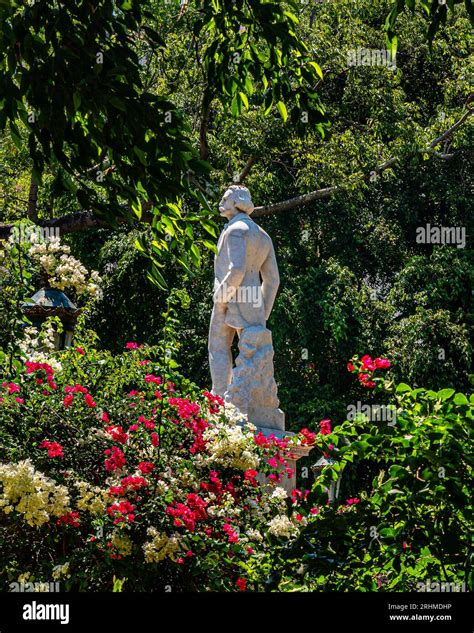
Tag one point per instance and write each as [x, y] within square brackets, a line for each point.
[253, 389]
[254, 392]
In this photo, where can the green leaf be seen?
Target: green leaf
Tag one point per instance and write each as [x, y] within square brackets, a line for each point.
[402, 387]
[245, 101]
[141, 155]
[445, 394]
[460, 398]
[317, 69]
[208, 226]
[282, 110]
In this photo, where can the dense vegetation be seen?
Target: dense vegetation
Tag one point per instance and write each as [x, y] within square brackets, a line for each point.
[380, 152]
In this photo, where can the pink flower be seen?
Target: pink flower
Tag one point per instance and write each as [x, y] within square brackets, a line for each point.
[314, 510]
[325, 427]
[382, 363]
[104, 417]
[131, 345]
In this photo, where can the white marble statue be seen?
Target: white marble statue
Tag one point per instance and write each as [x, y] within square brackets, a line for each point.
[245, 286]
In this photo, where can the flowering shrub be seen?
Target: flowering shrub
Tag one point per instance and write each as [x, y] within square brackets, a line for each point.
[397, 511]
[117, 471]
[118, 466]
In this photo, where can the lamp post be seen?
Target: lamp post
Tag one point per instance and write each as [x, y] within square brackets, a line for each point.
[51, 302]
[333, 490]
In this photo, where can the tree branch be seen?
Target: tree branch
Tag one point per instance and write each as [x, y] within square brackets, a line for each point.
[245, 171]
[84, 220]
[307, 198]
[33, 200]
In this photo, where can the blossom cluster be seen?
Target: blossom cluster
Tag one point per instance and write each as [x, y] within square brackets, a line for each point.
[31, 494]
[365, 369]
[62, 269]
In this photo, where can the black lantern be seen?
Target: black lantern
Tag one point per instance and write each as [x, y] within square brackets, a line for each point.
[51, 302]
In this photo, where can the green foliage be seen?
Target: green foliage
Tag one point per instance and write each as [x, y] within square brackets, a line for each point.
[412, 477]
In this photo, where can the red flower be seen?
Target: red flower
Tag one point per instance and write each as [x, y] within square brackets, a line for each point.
[70, 518]
[11, 386]
[233, 537]
[116, 461]
[80, 350]
[367, 363]
[117, 434]
[214, 401]
[382, 363]
[154, 439]
[54, 449]
[241, 584]
[134, 482]
[145, 467]
[89, 401]
[353, 501]
[250, 475]
[132, 345]
[308, 436]
[150, 378]
[350, 366]
[104, 417]
[68, 400]
[32, 367]
[120, 511]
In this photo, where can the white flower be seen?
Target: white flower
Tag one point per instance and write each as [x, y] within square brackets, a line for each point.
[281, 526]
[254, 535]
[279, 494]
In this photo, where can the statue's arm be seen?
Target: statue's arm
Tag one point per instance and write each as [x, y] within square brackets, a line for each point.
[270, 281]
[236, 252]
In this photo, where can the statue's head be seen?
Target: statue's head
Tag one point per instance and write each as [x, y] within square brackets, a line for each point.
[237, 199]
